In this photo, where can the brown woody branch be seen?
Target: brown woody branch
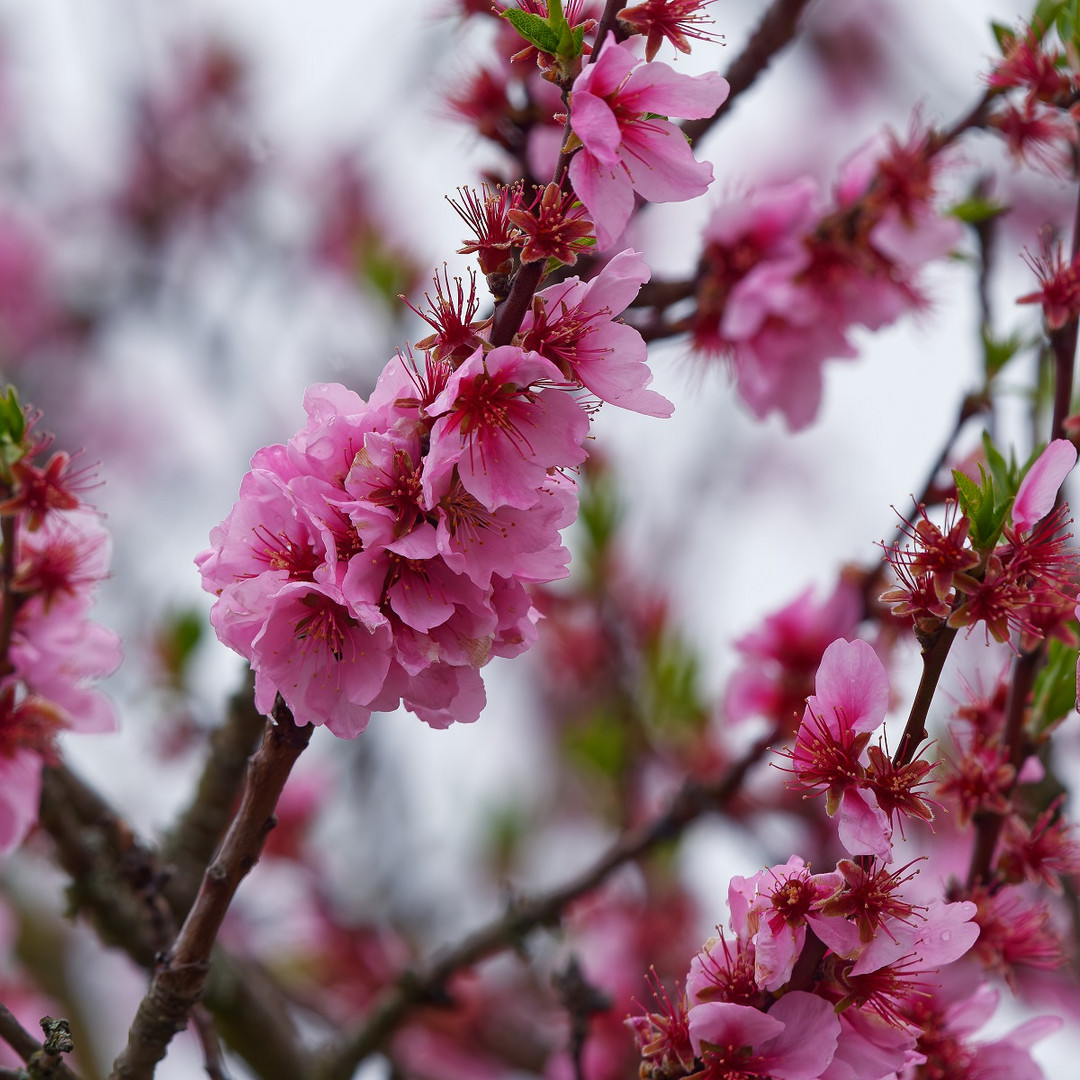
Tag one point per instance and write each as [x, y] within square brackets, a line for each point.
[191, 843]
[179, 982]
[43, 1060]
[773, 34]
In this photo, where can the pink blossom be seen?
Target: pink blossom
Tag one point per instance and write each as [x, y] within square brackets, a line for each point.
[850, 703]
[574, 327]
[794, 1040]
[624, 149]
[1038, 490]
[781, 658]
[502, 429]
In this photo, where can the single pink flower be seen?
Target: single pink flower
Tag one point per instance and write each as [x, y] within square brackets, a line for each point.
[794, 1040]
[575, 328]
[503, 425]
[617, 106]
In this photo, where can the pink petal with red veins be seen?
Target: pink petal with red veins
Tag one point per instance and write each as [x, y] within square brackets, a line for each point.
[661, 164]
[606, 74]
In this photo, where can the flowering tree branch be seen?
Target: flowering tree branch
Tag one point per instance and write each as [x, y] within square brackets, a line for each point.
[416, 988]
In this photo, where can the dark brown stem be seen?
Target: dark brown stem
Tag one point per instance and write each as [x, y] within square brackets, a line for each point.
[415, 988]
[988, 825]
[1063, 343]
[773, 34]
[114, 882]
[179, 982]
[934, 655]
[191, 843]
[606, 25]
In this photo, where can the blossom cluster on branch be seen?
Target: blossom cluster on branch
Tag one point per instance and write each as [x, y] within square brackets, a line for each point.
[908, 852]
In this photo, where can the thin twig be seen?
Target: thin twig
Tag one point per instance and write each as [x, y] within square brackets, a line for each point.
[42, 1058]
[418, 987]
[192, 841]
[212, 1056]
[773, 34]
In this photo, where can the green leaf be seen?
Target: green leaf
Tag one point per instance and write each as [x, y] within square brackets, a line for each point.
[968, 493]
[12, 416]
[997, 352]
[1054, 696]
[599, 744]
[1004, 35]
[1004, 472]
[1046, 13]
[535, 29]
[976, 209]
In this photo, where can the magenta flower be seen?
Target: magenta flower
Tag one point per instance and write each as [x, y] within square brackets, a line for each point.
[1038, 490]
[503, 427]
[628, 149]
[850, 703]
[794, 1040]
[576, 329]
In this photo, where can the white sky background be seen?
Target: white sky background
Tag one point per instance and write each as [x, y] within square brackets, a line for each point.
[704, 517]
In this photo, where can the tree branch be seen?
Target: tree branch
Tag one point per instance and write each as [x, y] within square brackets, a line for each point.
[42, 1059]
[179, 982]
[773, 34]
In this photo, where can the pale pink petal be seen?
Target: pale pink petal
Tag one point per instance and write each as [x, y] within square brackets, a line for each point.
[724, 1023]
[657, 88]
[852, 685]
[863, 826]
[607, 194]
[595, 125]
[808, 1042]
[661, 165]
[1039, 488]
[20, 794]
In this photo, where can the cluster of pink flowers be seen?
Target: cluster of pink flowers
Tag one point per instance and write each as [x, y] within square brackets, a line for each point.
[784, 279]
[841, 975]
[1035, 112]
[51, 651]
[1022, 582]
[381, 556]
[819, 977]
